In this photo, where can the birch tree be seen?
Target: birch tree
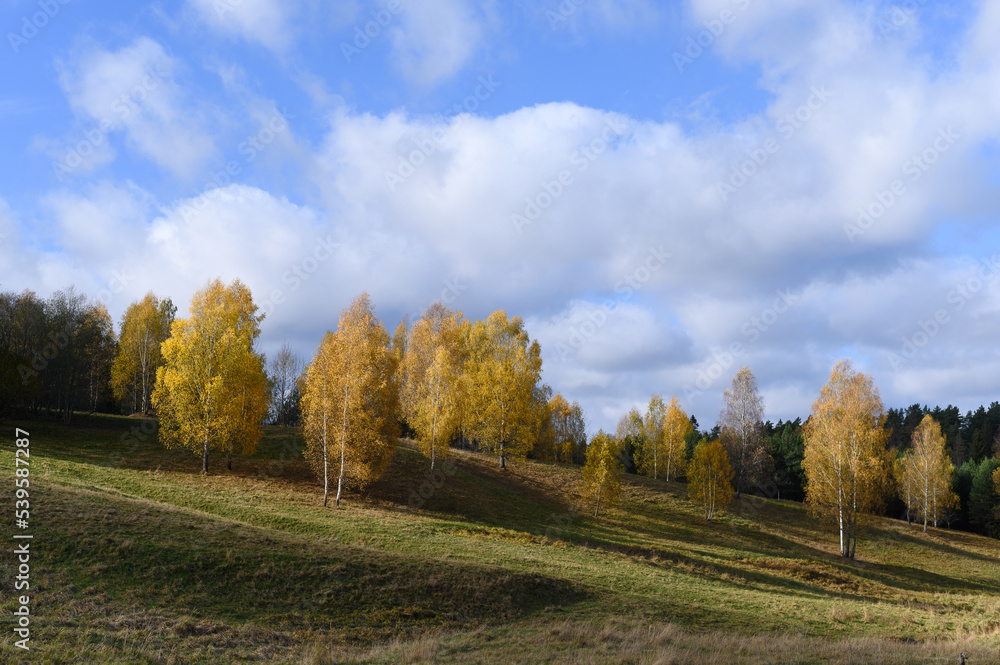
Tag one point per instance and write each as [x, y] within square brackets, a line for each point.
[248, 403]
[602, 473]
[845, 458]
[568, 435]
[653, 432]
[284, 370]
[676, 427]
[145, 326]
[927, 474]
[631, 433]
[432, 368]
[742, 421]
[350, 401]
[209, 366]
[710, 477]
[501, 372]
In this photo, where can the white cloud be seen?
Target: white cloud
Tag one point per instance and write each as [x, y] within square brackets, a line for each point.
[414, 208]
[267, 22]
[134, 90]
[434, 39]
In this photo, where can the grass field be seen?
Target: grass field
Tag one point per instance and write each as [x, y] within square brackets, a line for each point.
[138, 558]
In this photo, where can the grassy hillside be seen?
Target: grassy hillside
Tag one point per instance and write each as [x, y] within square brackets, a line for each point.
[138, 558]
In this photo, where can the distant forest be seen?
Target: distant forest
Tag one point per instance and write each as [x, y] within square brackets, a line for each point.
[58, 355]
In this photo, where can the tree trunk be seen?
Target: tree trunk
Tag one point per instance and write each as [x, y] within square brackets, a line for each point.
[326, 473]
[340, 480]
[204, 456]
[229, 461]
[343, 446]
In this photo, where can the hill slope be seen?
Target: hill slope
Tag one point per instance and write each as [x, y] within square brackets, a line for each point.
[138, 558]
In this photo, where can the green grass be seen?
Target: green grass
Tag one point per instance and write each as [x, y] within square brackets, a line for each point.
[138, 558]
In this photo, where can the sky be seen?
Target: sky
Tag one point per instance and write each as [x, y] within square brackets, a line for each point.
[664, 191]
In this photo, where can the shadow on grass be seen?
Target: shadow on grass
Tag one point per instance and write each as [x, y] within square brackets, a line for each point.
[227, 571]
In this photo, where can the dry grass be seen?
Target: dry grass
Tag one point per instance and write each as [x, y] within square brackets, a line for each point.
[618, 641]
[147, 561]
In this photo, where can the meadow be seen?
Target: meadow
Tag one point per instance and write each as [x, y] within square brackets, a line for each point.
[139, 558]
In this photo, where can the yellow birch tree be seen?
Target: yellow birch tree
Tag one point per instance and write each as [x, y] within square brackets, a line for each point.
[927, 474]
[432, 367]
[350, 401]
[145, 326]
[602, 473]
[568, 436]
[501, 373]
[845, 458]
[676, 426]
[651, 453]
[710, 477]
[209, 361]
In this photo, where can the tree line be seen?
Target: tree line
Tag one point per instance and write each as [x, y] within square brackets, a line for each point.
[64, 355]
[850, 459]
[452, 382]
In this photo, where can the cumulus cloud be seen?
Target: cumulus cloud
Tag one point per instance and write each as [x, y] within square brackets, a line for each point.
[434, 39]
[266, 22]
[645, 255]
[134, 90]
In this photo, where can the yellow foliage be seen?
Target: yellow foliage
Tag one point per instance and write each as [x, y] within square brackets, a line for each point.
[501, 372]
[145, 326]
[651, 442]
[602, 474]
[845, 457]
[350, 401]
[710, 477]
[926, 474]
[676, 426]
[564, 435]
[210, 372]
[431, 369]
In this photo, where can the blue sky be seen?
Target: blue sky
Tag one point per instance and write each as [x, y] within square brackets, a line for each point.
[663, 191]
